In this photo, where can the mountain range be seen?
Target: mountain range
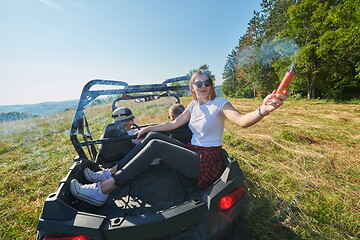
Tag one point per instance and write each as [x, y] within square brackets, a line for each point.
[40, 108]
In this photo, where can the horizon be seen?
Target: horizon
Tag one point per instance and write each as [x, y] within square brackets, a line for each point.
[50, 101]
[24, 104]
[52, 49]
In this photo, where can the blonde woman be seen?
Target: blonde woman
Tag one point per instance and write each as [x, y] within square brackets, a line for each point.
[200, 160]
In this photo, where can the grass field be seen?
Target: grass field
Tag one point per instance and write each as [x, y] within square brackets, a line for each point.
[301, 165]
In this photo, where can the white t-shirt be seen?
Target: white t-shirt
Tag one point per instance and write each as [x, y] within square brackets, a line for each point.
[207, 122]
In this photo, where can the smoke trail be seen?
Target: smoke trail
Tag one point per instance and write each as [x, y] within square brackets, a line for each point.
[286, 47]
[268, 52]
[244, 55]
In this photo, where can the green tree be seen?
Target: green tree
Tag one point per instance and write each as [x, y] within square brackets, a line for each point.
[328, 60]
[237, 80]
[303, 26]
[229, 75]
[255, 74]
[321, 37]
[205, 67]
[339, 48]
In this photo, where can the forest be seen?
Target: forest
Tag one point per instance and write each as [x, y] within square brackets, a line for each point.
[320, 38]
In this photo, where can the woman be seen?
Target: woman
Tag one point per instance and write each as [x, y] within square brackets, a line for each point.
[201, 160]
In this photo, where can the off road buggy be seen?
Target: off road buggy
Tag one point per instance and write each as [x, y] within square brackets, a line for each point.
[159, 203]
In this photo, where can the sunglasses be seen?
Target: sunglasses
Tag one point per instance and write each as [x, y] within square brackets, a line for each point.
[199, 84]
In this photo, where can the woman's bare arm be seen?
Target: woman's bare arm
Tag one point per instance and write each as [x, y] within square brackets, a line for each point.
[179, 121]
[246, 120]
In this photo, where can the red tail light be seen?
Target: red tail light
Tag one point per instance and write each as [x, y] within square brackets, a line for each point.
[229, 200]
[54, 236]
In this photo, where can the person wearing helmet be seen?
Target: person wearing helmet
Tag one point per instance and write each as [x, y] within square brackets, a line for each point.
[123, 119]
[113, 151]
[125, 116]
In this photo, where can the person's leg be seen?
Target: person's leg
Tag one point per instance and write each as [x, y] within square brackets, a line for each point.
[181, 159]
[141, 145]
[105, 174]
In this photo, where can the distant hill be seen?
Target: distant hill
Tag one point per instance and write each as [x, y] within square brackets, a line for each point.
[40, 108]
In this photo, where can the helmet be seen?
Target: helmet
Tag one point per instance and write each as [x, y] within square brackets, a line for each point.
[122, 115]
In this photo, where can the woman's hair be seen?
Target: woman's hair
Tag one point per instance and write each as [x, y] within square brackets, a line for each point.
[193, 78]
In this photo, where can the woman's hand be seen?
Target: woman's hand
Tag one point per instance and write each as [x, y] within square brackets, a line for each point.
[142, 132]
[273, 101]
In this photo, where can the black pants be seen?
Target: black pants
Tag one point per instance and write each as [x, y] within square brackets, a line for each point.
[157, 145]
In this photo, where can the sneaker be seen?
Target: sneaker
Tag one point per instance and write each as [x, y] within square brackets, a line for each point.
[90, 193]
[99, 176]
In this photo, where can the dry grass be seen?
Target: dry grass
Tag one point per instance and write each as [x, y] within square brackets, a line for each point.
[306, 154]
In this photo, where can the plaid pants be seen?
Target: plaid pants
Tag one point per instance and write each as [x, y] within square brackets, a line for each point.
[211, 164]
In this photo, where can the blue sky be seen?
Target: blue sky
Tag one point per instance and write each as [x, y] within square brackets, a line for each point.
[50, 48]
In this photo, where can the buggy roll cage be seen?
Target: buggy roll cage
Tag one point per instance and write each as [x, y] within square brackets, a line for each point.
[87, 96]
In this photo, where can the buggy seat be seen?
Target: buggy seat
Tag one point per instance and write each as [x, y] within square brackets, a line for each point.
[111, 151]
